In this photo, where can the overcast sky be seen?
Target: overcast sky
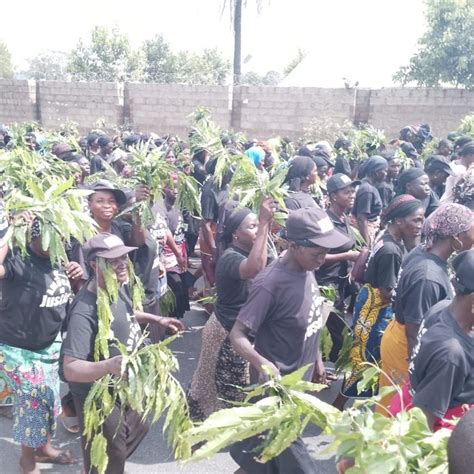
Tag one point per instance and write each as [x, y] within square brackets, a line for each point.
[375, 35]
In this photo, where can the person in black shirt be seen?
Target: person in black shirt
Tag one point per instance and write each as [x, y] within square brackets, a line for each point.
[423, 281]
[373, 311]
[34, 295]
[342, 147]
[438, 170]
[283, 316]
[441, 370]
[337, 265]
[105, 149]
[124, 429]
[302, 173]
[368, 205]
[386, 188]
[220, 369]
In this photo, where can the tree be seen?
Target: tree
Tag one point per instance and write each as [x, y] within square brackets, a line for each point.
[446, 50]
[6, 67]
[300, 55]
[160, 62]
[48, 65]
[271, 78]
[108, 57]
[235, 9]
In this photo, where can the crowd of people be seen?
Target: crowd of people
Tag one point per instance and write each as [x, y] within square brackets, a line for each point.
[391, 233]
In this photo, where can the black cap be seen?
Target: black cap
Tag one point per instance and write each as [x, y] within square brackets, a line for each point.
[435, 163]
[409, 150]
[463, 265]
[104, 185]
[339, 181]
[311, 226]
[106, 246]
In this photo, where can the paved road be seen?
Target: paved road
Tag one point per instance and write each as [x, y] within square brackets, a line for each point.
[153, 455]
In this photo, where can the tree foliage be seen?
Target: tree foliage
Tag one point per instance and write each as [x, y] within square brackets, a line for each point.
[446, 50]
[271, 78]
[107, 57]
[6, 67]
[48, 65]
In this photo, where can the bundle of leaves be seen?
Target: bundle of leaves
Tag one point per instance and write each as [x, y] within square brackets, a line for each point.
[365, 142]
[466, 127]
[384, 444]
[147, 385]
[58, 207]
[282, 415]
[251, 186]
[207, 135]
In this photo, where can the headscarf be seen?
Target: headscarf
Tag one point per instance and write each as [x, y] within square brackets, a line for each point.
[372, 165]
[402, 206]
[448, 220]
[300, 167]
[408, 176]
[233, 218]
[256, 155]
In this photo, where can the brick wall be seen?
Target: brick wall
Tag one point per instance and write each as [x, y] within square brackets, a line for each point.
[164, 107]
[257, 111]
[17, 101]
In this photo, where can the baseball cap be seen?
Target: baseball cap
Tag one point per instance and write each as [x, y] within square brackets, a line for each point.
[434, 163]
[104, 185]
[61, 148]
[463, 265]
[105, 245]
[311, 226]
[339, 181]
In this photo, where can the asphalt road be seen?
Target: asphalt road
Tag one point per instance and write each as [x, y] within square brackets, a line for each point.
[153, 455]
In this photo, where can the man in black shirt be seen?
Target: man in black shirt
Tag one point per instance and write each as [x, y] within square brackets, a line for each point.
[123, 432]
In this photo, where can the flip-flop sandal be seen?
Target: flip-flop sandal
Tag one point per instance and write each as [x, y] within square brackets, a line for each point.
[71, 427]
[64, 458]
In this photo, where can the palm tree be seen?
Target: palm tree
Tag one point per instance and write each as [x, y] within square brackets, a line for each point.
[235, 9]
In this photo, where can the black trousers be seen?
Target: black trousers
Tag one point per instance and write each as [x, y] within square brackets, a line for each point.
[123, 435]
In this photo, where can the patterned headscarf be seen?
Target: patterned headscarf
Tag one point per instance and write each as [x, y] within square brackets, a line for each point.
[402, 206]
[448, 220]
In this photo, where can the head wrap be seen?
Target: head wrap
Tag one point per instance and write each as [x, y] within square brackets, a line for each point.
[256, 155]
[402, 206]
[35, 229]
[233, 219]
[448, 220]
[300, 167]
[372, 165]
[408, 176]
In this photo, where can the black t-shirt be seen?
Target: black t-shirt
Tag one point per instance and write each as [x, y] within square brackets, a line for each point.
[232, 291]
[283, 310]
[97, 164]
[342, 166]
[334, 272]
[33, 300]
[211, 198]
[199, 171]
[298, 199]
[431, 203]
[367, 201]
[442, 365]
[384, 262]
[83, 325]
[386, 192]
[422, 282]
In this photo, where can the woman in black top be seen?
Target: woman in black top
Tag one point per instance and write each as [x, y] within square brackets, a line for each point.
[423, 281]
[34, 295]
[336, 268]
[368, 204]
[220, 369]
[373, 311]
[302, 173]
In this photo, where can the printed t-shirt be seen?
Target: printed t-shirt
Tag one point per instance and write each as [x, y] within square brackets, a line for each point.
[283, 311]
[83, 326]
[33, 300]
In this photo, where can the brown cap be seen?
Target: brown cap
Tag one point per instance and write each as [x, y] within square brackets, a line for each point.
[106, 246]
[61, 148]
[311, 226]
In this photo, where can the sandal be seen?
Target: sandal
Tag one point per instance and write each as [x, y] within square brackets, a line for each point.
[70, 425]
[64, 458]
